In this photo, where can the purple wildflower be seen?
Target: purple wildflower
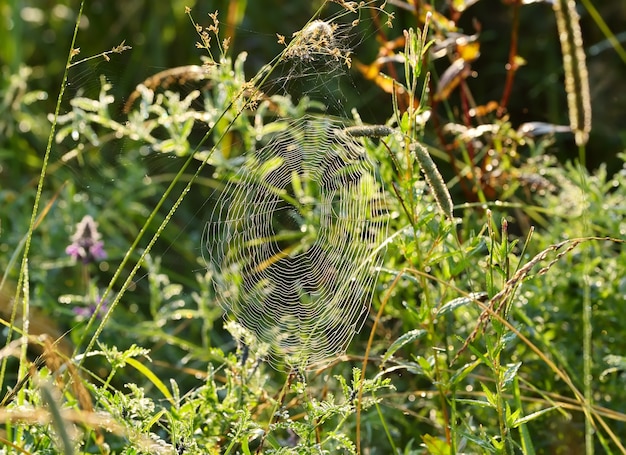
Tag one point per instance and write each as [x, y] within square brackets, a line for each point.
[86, 244]
[88, 311]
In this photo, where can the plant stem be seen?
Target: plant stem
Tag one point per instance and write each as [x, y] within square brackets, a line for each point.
[42, 175]
[511, 67]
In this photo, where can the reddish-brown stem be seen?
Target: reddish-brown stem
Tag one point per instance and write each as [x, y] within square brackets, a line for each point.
[467, 121]
[512, 64]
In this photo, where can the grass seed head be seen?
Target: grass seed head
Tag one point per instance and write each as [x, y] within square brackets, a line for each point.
[318, 42]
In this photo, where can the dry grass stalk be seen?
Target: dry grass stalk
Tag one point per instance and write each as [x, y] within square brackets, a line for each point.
[498, 301]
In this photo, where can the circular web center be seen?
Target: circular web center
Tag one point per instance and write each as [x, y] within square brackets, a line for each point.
[292, 241]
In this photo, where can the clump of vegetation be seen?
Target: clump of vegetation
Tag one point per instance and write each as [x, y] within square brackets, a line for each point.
[495, 323]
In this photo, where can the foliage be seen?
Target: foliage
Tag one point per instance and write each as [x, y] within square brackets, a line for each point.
[496, 325]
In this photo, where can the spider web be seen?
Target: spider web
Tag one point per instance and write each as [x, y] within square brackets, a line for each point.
[293, 241]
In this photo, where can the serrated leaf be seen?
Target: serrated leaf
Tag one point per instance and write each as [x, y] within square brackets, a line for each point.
[402, 341]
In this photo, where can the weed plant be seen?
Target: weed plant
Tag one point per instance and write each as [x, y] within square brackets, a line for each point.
[496, 323]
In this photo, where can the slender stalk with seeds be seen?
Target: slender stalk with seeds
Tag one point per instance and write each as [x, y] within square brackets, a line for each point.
[433, 179]
[575, 67]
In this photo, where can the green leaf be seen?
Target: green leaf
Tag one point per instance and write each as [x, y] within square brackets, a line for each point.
[245, 446]
[405, 122]
[402, 341]
[488, 448]
[498, 444]
[153, 378]
[525, 438]
[410, 367]
[491, 397]
[153, 421]
[186, 130]
[436, 446]
[59, 424]
[461, 301]
[510, 374]
[523, 420]
[464, 371]
[426, 365]
[479, 403]
[511, 417]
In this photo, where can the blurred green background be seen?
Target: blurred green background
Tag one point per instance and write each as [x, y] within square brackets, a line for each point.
[37, 34]
[34, 43]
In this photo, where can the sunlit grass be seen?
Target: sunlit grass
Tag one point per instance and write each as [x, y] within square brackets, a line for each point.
[495, 326]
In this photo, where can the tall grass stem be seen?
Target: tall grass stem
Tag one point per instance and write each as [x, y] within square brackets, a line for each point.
[40, 183]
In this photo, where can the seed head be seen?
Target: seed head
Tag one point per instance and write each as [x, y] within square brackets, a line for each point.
[315, 40]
